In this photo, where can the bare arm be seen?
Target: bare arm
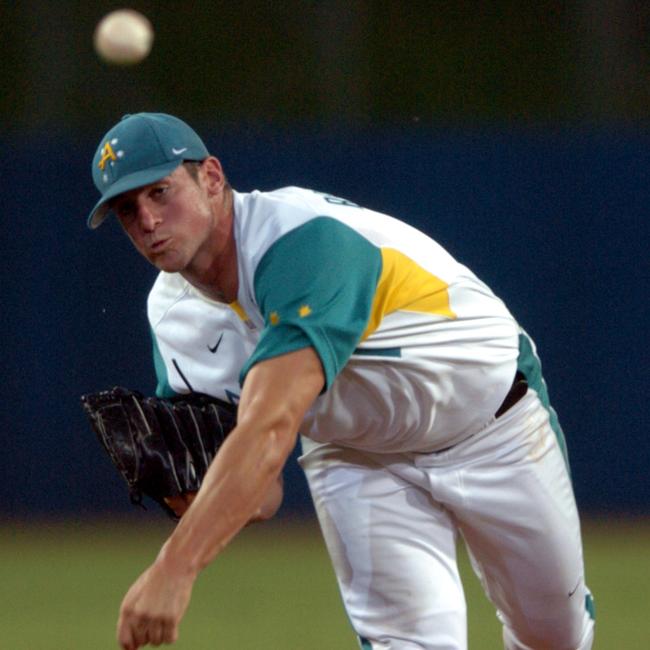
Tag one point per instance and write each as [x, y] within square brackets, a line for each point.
[272, 502]
[275, 397]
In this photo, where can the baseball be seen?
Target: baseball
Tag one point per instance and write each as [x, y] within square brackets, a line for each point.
[123, 37]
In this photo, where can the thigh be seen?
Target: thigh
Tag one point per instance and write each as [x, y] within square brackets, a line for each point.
[519, 519]
[393, 551]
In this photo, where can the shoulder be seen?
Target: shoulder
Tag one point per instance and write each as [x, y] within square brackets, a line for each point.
[261, 218]
[284, 203]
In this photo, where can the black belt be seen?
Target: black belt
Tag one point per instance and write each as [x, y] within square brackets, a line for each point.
[516, 392]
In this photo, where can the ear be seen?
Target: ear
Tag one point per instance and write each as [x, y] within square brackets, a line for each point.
[213, 177]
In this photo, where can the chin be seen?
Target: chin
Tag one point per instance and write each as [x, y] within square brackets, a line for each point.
[170, 268]
[168, 264]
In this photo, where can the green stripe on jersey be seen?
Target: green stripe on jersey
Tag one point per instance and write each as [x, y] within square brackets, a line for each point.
[379, 352]
[530, 365]
[163, 389]
[315, 286]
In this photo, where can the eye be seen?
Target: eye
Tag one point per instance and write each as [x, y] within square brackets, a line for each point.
[158, 191]
[125, 211]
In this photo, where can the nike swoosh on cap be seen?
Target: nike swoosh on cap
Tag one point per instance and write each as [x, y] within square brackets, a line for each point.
[178, 152]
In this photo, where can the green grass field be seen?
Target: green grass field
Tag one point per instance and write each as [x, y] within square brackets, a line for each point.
[62, 583]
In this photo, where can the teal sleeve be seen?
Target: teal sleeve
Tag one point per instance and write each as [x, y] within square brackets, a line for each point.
[315, 287]
[163, 389]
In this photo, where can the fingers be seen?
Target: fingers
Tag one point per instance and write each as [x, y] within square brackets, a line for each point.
[134, 632]
[125, 636]
[128, 635]
[161, 632]
[170, 633]
[156, 634]
[179, 504]
[153, 609]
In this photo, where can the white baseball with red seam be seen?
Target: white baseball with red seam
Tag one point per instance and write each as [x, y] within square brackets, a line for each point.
[123, 37]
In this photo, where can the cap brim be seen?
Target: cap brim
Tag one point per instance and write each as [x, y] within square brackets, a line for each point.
[126, 184]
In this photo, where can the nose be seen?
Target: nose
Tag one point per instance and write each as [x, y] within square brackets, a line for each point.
[147, 217]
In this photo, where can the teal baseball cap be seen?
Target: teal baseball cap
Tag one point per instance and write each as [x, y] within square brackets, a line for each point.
[140, 149]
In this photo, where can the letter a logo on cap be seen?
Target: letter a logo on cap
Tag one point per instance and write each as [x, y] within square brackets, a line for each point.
[107, 154]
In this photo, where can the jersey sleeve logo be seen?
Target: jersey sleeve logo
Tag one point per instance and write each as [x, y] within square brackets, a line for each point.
[303, 312]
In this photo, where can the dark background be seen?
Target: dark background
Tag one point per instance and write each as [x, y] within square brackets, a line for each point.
[517, 136]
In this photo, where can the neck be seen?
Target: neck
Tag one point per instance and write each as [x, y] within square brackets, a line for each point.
[214, 269]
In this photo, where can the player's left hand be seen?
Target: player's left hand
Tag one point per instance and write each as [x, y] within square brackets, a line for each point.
[153, 608]
[179, 504]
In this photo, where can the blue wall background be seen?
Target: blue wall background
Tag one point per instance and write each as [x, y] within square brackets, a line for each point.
[553, 220]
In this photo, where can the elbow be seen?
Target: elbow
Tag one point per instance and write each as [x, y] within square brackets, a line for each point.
[272, 502]
[278, 449]
[278, 444]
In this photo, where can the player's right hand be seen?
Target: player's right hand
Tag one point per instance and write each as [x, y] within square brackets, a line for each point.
[153, 607]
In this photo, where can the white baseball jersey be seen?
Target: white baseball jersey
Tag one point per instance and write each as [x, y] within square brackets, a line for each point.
[417, 352]
[418, 355]
[199, 344]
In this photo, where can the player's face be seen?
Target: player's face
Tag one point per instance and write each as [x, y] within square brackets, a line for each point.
[168, 221]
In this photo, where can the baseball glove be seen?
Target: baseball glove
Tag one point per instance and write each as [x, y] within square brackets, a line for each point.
[161, 447]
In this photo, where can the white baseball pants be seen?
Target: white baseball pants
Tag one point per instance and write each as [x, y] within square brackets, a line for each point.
[391, 522]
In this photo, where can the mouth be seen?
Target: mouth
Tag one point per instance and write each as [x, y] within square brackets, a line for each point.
[159, 246]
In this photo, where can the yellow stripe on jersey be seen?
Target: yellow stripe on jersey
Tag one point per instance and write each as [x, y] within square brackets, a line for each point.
[239, 310]
[405, 286]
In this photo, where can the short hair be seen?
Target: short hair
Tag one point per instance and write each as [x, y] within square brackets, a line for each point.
[192, 167]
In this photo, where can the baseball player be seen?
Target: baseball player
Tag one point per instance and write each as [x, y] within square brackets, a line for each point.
[420, 401]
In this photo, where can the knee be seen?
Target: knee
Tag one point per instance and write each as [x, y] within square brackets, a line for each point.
[574, 631]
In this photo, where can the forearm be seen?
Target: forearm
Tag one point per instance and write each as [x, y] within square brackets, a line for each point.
[274, 399]
[272, 502]
[234, 491]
